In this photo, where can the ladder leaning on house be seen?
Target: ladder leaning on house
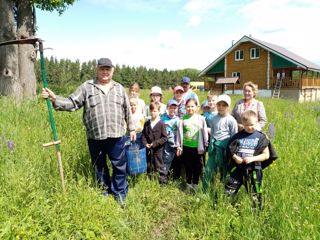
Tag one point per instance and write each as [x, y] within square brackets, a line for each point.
[277, 87]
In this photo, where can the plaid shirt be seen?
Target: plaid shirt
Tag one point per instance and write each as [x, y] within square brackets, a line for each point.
[104, 115]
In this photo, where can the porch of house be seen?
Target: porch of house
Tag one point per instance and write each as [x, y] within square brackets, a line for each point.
[312, 81]
[302, 86]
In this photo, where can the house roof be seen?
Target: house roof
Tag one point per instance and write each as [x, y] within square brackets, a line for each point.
[275, 49]
[228, 80]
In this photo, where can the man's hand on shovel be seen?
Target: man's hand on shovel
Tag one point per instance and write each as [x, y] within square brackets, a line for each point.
[46, 92]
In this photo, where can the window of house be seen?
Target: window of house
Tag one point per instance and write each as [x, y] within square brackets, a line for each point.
[236, 74]
[238, 55]
[254, 53]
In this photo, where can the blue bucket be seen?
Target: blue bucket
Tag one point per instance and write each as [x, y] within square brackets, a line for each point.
[136, 158]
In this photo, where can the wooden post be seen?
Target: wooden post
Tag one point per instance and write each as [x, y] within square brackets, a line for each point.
[313, 79]
[300, 82]
[307, 76]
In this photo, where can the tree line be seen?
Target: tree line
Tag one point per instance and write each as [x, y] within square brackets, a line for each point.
[64, 73]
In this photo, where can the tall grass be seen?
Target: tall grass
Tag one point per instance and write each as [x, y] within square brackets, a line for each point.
[32, 205]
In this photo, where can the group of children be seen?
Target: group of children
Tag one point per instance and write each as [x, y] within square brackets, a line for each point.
[177, 133]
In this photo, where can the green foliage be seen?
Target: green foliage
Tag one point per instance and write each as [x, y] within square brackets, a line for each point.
[32, 205]
[53, 5]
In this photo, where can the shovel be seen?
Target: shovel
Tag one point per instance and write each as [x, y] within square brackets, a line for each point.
[55, 142]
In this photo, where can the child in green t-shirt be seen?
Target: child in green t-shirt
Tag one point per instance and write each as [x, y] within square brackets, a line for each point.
[193, 137]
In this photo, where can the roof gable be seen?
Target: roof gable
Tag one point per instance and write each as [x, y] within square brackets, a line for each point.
[275, 49]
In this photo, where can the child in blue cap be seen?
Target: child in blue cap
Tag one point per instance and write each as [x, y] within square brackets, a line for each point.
[171, 121]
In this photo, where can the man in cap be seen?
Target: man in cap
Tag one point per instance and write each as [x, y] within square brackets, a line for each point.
[106, 109]
[188, 93]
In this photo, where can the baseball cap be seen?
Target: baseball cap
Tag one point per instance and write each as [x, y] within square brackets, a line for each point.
[224, 98]
[185, 79]
[104, 62]
[156, 89]
[172, 102]
[177, 88]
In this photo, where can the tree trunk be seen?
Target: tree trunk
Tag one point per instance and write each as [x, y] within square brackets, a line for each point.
[17, 76]
[27, 54]
[9, 72]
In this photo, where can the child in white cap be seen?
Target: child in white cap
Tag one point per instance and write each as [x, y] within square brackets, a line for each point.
[223, 127]
[156, 97]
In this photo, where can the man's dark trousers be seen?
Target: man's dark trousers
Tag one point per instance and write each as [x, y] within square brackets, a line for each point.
[115, 149]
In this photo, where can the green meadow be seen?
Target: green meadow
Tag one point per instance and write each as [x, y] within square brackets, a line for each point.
[33, 206]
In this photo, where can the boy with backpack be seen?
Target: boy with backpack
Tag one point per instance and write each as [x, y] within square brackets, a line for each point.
[251, 151]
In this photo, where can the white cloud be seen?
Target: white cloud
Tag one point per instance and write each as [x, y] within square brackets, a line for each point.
[198, 6]
[169, 39]
[194, 21]
[165, 50]
[199, 9]
[291, 24]
[288, 23]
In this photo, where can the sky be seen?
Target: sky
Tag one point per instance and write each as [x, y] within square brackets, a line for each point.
[177, 34]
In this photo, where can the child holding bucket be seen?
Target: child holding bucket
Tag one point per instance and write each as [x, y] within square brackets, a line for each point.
[137, 118]
[134, 92]
[154, 137]
[193, 136]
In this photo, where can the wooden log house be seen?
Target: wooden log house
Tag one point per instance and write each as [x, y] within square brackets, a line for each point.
[277, 71]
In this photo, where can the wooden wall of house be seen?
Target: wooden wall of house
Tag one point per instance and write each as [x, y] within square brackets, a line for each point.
[254, 70]
[210, 85]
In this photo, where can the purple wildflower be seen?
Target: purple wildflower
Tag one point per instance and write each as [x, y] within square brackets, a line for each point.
[272, 131]
[10, 145]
